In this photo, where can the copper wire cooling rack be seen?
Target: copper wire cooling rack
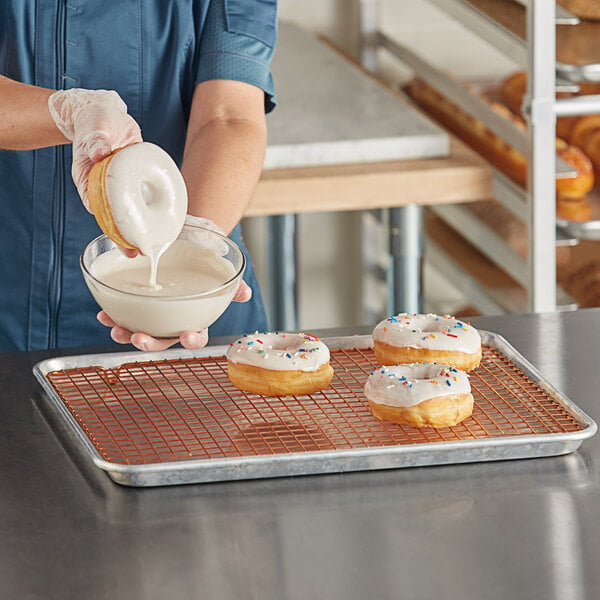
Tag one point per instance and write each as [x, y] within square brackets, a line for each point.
[183, 416]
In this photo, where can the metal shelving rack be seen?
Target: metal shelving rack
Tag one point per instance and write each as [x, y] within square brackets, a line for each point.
[535, 206]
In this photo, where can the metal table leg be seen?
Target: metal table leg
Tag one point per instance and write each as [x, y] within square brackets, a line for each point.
[405, 281]
[282, 292]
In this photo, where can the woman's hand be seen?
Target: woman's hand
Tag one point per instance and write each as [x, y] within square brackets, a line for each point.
[192, 340]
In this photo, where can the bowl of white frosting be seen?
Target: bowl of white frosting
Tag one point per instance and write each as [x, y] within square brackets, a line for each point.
[196, 278]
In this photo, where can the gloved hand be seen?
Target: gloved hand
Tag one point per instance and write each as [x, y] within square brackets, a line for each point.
[199, 235]
[97, 123]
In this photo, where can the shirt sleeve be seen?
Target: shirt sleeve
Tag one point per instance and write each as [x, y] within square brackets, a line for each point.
[237, 43]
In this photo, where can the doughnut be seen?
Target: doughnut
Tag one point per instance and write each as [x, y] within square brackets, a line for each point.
[420, 395]
[583, 128]
[427, 338]
[513, 89]
[580, 145]
[279, 364]
[138, 197]
[579, 210]
[574, 188]
[564, 126]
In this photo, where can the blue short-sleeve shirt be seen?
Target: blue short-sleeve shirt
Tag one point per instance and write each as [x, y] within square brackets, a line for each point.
[153, 53]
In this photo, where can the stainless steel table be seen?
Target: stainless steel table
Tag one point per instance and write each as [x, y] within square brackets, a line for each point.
[526, 529]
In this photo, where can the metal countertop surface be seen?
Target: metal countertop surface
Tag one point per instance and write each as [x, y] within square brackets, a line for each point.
[514, 529]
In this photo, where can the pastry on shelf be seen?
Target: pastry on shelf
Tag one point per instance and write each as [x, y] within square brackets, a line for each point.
[497, 151]
[580, 132]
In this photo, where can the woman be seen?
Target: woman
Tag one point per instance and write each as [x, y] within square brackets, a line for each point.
[194, 74]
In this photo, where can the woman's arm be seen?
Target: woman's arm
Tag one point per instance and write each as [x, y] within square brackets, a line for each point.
[25, 121]
[95, 121]
[225, 150]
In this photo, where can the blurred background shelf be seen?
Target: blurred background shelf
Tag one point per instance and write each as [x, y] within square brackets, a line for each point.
[539, 43]
[341, 211]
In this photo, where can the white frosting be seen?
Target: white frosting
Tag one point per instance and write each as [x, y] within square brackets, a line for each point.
[147, 197]
[429, 331]
[280, 351]
[196, 286]
[409, 385]
[185, 269]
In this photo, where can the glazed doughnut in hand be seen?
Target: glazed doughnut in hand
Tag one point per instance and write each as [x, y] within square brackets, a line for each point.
[427, 338]
[279, 364]
[420, 395]
[138, 197]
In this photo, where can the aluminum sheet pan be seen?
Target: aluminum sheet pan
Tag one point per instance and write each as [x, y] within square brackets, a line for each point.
[173, 417]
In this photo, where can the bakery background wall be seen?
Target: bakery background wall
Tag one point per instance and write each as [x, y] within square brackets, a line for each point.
[329, 279]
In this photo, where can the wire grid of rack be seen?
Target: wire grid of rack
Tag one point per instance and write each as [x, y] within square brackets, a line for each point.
[181, 413]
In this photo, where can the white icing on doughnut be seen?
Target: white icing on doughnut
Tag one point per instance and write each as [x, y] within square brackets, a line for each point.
[429, 331]
[147, 197]
[409, 385]
[280, 351]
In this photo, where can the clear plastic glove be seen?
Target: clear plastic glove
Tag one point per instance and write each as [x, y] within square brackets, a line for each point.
[97, 123]
[191, 340]
[200, 237]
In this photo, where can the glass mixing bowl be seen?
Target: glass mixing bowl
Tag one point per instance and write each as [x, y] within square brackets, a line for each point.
[198, 276]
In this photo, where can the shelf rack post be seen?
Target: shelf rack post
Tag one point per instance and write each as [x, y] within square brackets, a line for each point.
[541, 35]
[405, 223]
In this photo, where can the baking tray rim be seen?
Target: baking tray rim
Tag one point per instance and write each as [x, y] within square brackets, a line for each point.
[116, 470]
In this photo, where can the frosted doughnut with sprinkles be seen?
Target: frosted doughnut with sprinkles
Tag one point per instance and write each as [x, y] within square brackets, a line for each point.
[420, 395]
[279, 364]
[429, 338]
